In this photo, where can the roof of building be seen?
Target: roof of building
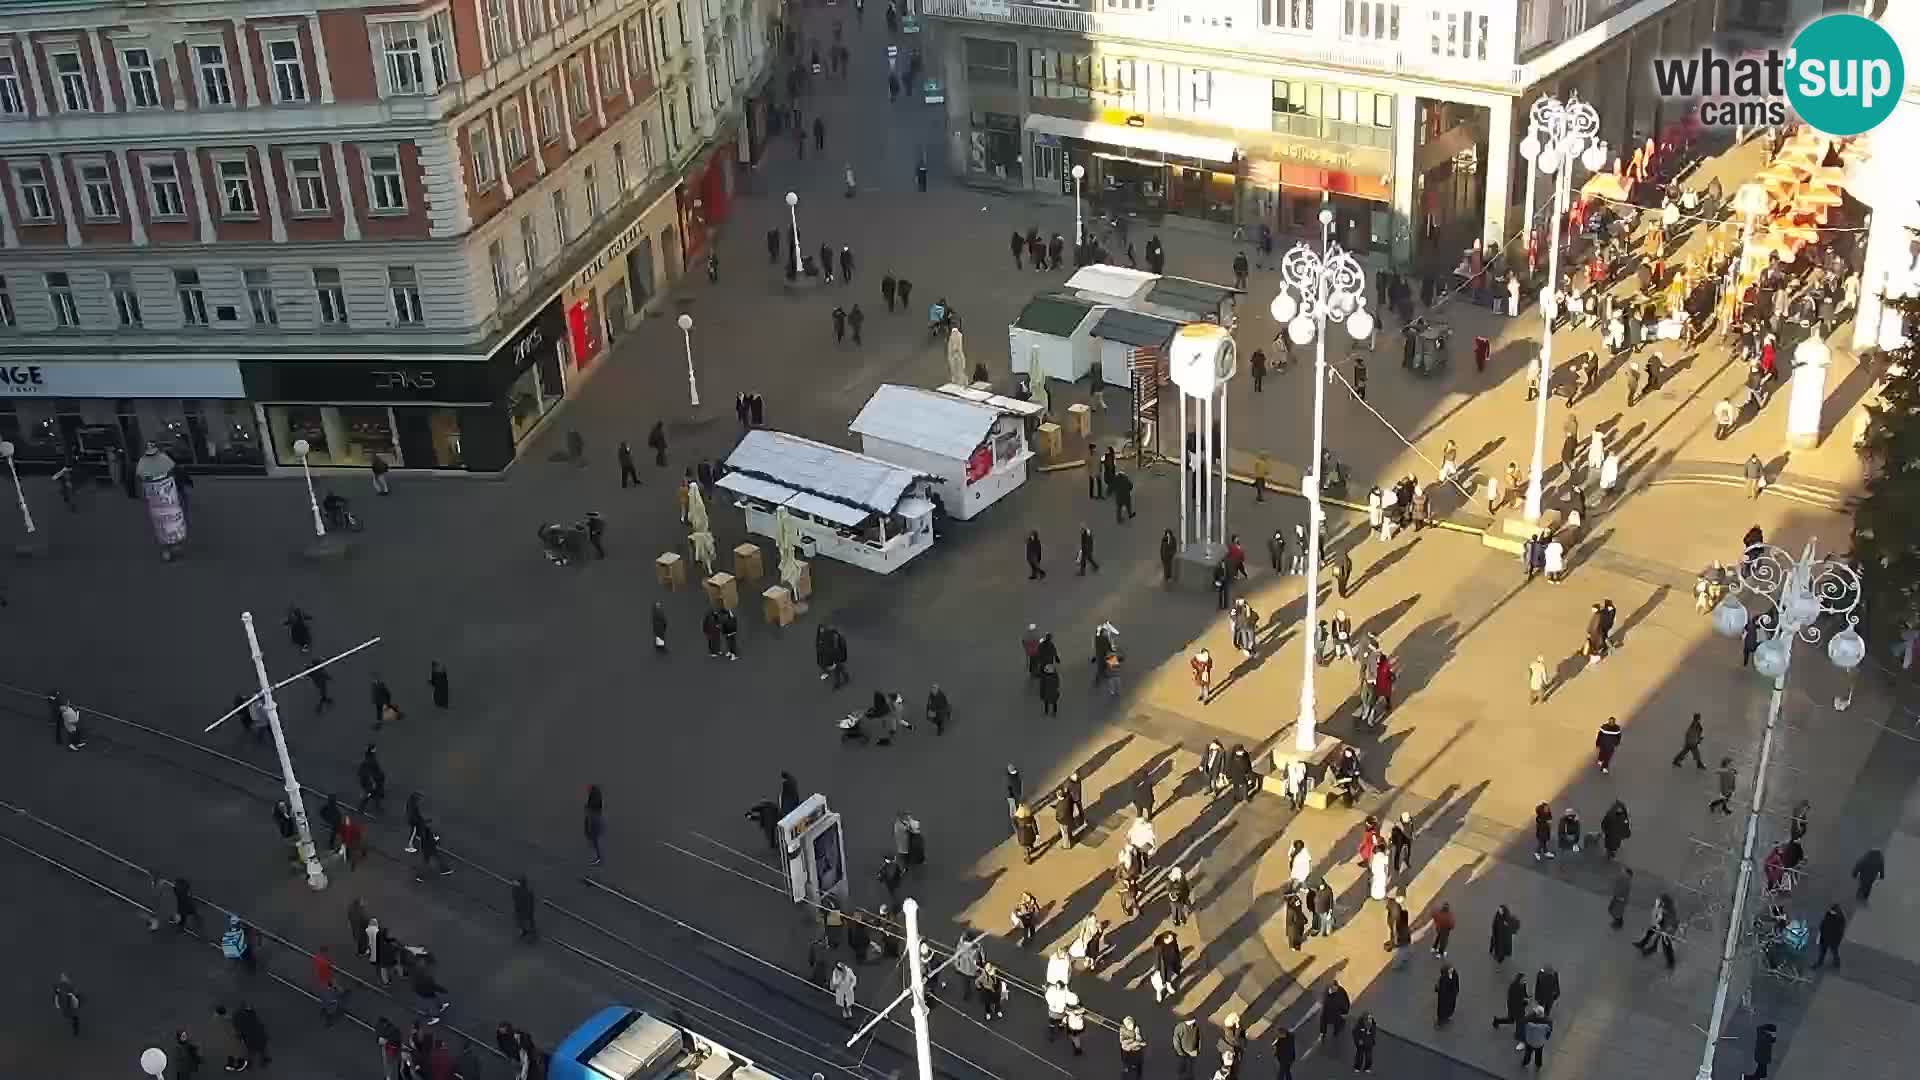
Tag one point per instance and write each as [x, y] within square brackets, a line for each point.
[826, 472]
[1110, 280]
[925, 420]
[1135, 328]
[1053, 315]
[1186, 294]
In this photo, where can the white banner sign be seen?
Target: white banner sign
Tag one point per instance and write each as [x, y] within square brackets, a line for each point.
[91, 379]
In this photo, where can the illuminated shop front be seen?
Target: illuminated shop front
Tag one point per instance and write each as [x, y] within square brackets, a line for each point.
[88, 412]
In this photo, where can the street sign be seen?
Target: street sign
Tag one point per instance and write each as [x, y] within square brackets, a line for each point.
[936, 94]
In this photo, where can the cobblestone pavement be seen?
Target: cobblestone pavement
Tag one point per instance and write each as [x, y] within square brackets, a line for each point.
[554, 688]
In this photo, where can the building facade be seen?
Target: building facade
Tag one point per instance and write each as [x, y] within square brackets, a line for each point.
[403, 230]
[1405, 114]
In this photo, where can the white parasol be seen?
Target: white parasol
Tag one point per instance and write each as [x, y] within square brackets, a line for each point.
[697, 520]
[956, 358]
[786, 539]
[1039, 388]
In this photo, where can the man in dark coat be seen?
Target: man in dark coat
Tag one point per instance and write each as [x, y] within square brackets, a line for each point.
[1034, 572]
[1546, 989]
[1143, 794]
[1334, 1006]
[1017, 245]
[1086, 552]
[1516, 1003]
[1833, 927]
[1446, 992]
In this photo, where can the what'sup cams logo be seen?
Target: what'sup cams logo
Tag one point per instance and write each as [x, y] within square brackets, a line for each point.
[1842, 75]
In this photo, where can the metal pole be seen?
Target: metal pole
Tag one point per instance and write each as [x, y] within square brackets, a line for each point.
[793, 216]
[922, 1041]
[316, 877]
[26, 515]
[693, 388]
[1078, 237]
[1225, 472]
[1533, 175]
[1736, 919]
[1306, 729]
[1186, 464]
[313, 503]
[1535, 479]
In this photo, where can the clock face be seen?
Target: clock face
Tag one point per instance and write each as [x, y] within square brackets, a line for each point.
[1202, 358]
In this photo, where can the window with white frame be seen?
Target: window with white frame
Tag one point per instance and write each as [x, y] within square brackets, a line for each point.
[562, 216]
[530, 242]
[404, 285]
[74, 95]
[547, 112]
[646, 147]
[590, 179]
[620, 170]
[9, 318]
[607, 52]
[289, 71]
[713, 87]
[417, 56]
[12, 102]
[329, 298]
[578, 101]
[693, 113]
[1372, 20]
[513, 133]
[385, 187]
[1460, 34]
[497, 270]
[569, 8]
[480, 156]
[96, 189]
[663, 40]
[533, 16]
[309, 182]
[216, 85]
[1287, 14]
[143, 85]
[499, 29]
[66, 313]
[164, 196]
[680, 15]
[126, 299]
[36, 198]
[260, 298]
[673, 129]
[236, 189]
[193, 298]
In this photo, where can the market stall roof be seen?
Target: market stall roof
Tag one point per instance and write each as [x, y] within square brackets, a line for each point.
[1186, 294]
[1010, 406]
[820, 475]
[1110, 280]
[1052, 315]
[939, 424]
[1136, 328]
[755, 488]
[826, 509]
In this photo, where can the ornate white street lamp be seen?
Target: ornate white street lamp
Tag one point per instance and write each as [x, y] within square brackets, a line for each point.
[793, 217]
[1557, 134]
[300, 450]
[1801, 592]
[1332, 285]
[296, 802]
[685, 322]
[26, 515]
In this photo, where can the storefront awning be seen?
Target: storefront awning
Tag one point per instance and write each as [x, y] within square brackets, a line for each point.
[1176, 143]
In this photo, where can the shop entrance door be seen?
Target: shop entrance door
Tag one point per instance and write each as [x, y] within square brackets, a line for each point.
[640, 272]
[614, 304]
[416, 437]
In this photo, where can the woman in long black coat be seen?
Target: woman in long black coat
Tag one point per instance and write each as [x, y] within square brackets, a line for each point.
[437, 679]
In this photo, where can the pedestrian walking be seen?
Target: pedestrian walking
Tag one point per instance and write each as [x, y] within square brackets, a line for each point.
[839, 324]
[1086, 552]
[1534, 1034]
[846, 262]
[819, 134]
[657, 442]
[1606, 742]
[1122, 487]
[1169, 547]
[380, 484]
[1095, 488]
[1542, 832]
[1202, 665]
[1284, 1053]
[437, 682]
[1133, 1050]
[1755, 474]
[1443, 923]
[629, 473]
[1690, 744]
[1222, 585]
[524, 907]
[1186, 1048]
[186, 1059]
[1143, 793]
[430, 856]
[1764, 1037]
[1539, 683]
[249, 1034]
[1446, 995]
[1500, 939]
[66, 1001]
[1034, 572]
[843, 983]
[1729, 778]
[887, 284]
[1619, 897]
[382, 698]
[1833, 928]
[1870, 868]
[1661, 927]
[1400, 841]
[1334, 1006]
[1365, 1034]
[1546, 989]
[595, 823]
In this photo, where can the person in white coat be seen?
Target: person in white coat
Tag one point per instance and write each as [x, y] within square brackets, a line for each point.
[1513, 297]
[1555, 561]
[1059, 968]
[1300, 863]
[842, 983]
[1377, 867]
[1495, 497]
[1376, 510]
[1296, 782]
[1596, 451]
[1609, 473]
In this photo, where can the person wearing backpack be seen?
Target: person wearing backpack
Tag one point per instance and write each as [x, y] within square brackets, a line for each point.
[237, 944]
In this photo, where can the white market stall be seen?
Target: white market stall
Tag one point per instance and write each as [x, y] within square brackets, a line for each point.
[842, 505]
[978, 452]
[1049, 339]
[1130, 341]
[1104, 283]
[1190, 301]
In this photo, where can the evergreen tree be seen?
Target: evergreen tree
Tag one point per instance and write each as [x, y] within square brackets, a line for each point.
[1886, 522]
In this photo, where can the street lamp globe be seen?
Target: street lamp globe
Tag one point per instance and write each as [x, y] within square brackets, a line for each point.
[684, 322]
[1326, 216]
[1301, 330]
[1770, 659]
[1079, 172]
[1595, 158]
[793, 199]
[1730, 617]
[6, 450]
[1360, 324]
[1847, 649]
[1549, 161]
[153, 1061]
[301, 447]
[1530, 147]
[1284, 307]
